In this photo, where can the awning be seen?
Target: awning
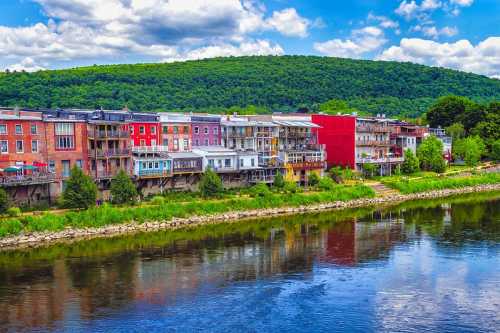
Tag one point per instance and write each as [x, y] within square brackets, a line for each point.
[12, 169]
[39, 164]
[29, 167]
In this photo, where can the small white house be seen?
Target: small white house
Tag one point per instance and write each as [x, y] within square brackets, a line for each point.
[218, 158]
[248, 160]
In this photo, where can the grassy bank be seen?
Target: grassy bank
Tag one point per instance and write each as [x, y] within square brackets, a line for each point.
[406, 186]
[106, 214]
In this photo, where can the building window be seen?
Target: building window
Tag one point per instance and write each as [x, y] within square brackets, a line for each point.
[165, 129]
[227, 163]
[215, 130]
[34, 129]
[176, 144]
[142, 142]
[206, 142]
[196, 130]
[205, 130]
[19, 146]
[66, 169]
[52, 166]
[4, 147]
[131, 129]
[186, 144]
[34, 146]
[141, 130]
[242, 162]
[79, 164]
[19, 129]
[211, 163]
[186, 129]
[196, 142]
[165, 142]
[176, 130]
[3, 129]
[252, 162]
[65, 139]
[157, 165]
[153, 130]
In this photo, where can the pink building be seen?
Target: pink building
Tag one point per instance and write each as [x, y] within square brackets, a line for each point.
[205, 130]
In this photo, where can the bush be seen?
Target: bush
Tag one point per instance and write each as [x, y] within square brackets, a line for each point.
[80, 191]
[411, 163]
[123, 189]
[313, 179]
[14, 211]
[290, 187]
[157, 200]
[211, 184]
[279, 182]
[495, 151]
[326, 184]
[4, 201]
[260, 190]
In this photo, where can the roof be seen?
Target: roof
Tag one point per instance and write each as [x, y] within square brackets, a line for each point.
[183, 155]
[15, 117]
[296, 123]
[214, 151]
[174, 118]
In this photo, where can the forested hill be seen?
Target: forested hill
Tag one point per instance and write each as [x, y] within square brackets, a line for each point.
[276, 83]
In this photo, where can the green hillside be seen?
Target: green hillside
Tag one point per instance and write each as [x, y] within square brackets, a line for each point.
[275, 83]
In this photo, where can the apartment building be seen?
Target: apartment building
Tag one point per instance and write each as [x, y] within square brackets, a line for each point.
[205, 130]
[175, 132]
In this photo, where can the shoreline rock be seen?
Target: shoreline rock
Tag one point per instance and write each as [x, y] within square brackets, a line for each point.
[47, 238]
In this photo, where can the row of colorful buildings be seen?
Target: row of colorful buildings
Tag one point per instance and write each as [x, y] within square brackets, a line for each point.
[167, 151]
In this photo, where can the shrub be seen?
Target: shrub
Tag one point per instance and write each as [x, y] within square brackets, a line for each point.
[260, 190]
[495, 151]
[157, 200]
[10, 227]
[80, 191]
[411, 163]
[326, 184]
[313, 179]
[290, 187]
[279, 182]
[13, 211]
[4, 201]
[123, 189]
[211, 184]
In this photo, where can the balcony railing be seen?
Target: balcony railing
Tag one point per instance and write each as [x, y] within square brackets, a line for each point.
[109, 134]
[106, 153]
[103, 174]
[298, 135]
[368, 160]
[372, 143]
[306, 165]
[373, 128]
[27, 180]
[150, 149]
[153, 173]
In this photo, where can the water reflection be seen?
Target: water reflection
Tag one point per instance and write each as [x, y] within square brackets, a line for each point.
[379, 266]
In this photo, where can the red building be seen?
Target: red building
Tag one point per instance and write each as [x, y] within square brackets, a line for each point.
[338, 134]
[145, 130]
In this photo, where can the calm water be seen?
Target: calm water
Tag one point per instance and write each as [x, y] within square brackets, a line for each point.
[420, 267]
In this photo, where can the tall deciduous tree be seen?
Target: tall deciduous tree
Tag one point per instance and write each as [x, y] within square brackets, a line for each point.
[210, 184]
[456, 131]
[279, 181]
[448, 109]
[80, 190]
[123, 189]
[469, 149]
[411, 163]
[430, 155]
[495, 151]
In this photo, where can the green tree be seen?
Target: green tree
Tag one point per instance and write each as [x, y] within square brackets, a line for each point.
[211, 184]
[335, 106]
[456, 131]
[495, 151]
[80, 190]
[430, 155]
[411, 163]
[313, 179]
[469, 149]
[447, 109]
[279, 181]
[4, 201]
[260, 190]
[326, 184]
[123, 189]
[369, 169]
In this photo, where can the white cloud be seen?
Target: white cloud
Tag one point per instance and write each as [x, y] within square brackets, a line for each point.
[410, 9]
[384, 21]
[433, 32]
[483, 58]
[289, 23]
[27, 65]
[430, 5]
[160, 29]
[462, 3]
[361, 41]
[407, 9]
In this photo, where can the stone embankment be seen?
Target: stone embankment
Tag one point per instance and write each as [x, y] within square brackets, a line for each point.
[45, 238]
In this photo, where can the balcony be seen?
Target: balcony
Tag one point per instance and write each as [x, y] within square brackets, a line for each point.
[306, 165]
[150, 149]
[373, 143]
[379, 160]
[109, 134]
[27, 180]
[373, 129]
[153, 173]
[107, 153]
[105, 174]
[296, 135]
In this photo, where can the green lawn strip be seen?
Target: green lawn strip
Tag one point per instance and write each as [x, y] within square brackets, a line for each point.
[107, 214]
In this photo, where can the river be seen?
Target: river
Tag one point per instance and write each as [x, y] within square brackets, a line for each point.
[421, 266]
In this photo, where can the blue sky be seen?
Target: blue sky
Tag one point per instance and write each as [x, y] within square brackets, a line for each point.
[48, 34]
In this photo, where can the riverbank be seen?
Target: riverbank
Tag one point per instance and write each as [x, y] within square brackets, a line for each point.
[36, 239]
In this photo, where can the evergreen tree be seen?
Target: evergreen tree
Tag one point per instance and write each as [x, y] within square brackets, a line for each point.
[411, 163]
[210, 184]
[123, 189]
[430, 155]
[279, 181]
[4, 201]
[80, 191]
